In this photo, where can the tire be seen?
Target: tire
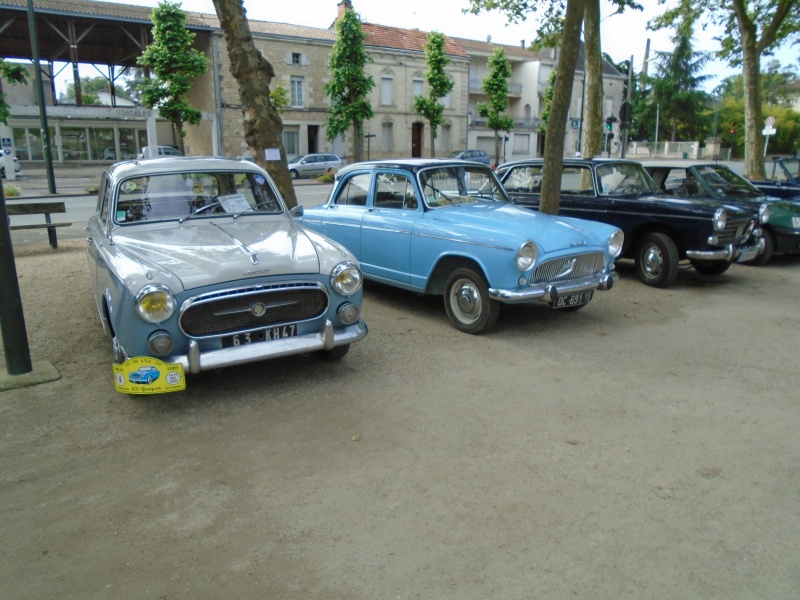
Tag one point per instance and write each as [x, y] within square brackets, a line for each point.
[294, 174]
[334, 354]
[766, 255]
[467, 302]
[657, 260]
[711, 268]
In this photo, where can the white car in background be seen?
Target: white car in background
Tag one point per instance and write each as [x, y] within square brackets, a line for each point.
[162, 151]
[311, 165]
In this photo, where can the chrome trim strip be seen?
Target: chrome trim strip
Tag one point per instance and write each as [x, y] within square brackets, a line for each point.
[548, 292]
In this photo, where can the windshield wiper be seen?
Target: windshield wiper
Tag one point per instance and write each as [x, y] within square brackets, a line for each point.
[255, 206]
[197, 211]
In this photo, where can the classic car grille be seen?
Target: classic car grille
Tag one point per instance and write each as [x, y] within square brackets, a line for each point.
[251, 308]
[735, 232]
[568, 268]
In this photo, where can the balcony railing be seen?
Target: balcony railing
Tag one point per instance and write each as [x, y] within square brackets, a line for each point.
[476, 87]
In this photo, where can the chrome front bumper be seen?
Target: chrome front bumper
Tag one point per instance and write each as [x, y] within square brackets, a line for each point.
[548, 292]
[196, 361]
[727, 253]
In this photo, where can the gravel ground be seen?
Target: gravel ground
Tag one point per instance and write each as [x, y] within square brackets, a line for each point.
[643, 447]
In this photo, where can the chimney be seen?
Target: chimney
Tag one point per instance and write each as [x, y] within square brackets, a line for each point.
[522, 43]
[343, 6]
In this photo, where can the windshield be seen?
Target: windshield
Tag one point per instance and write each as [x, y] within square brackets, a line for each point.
[616, 179]
[179, 196]
[792, 166]
[724, 182]
[445, 186]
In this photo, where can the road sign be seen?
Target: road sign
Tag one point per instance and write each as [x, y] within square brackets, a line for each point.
[768, 131]
[769, 122]
[6, 142]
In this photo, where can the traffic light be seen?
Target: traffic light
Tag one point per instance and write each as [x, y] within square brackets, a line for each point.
[733, 131]
[608, 123]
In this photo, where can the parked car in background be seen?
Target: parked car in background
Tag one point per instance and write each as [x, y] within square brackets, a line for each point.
[660, 230]
[312, 165]
[162, 151]
[197, 261]
[17, 167]
[110, 153]
[718, 182]
[783, 181]
[476, 155]
[446, 227]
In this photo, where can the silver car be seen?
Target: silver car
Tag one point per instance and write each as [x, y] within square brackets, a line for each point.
[197, 261]
[312, 165]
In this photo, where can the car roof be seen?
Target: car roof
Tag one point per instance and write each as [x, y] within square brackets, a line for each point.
[408, 164]
[179, 164]
[597, 160]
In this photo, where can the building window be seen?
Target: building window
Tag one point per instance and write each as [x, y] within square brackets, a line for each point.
[297, 92]
[522, 143]
[446, 100]
[386, 137]
[291, 142]
[386, 90]
[296, 58]
[416, 89]
[444, 138]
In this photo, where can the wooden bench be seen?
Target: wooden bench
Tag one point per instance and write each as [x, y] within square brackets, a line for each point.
[38, 208]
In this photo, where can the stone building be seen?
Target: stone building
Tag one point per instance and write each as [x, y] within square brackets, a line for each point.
[114, 35]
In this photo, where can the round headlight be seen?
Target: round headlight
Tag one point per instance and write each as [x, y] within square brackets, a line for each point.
[154, 303]
[615, 243]
[763, 213]
[346, 279]
[526, 256]
[720, 219]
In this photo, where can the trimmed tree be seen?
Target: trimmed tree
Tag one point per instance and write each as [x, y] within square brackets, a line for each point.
[175, 63]
[495, 86]
[439, 85]
[263, 127]
[349, 86]
[14, 73]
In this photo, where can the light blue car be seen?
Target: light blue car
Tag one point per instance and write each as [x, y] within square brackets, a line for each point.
[144, 375]
[439, 226]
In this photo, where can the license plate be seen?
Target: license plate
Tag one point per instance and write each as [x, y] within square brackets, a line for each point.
[749, 255]
[573, 300]
[268, 334]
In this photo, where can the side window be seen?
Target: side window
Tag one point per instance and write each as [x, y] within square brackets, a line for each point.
[354, 191]
[576, 180]
[394, 190]
[524, 180]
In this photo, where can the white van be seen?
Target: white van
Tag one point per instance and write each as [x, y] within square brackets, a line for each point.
[162, 151]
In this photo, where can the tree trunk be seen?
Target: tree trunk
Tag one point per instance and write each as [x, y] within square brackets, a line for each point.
[559, 108]
[433, 143]
[358, 142]
[497, 161]
[593, 118]
[263, 127]
[753, 119]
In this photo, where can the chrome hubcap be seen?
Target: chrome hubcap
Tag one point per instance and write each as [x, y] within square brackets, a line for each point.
[465, 300]
[652, 261]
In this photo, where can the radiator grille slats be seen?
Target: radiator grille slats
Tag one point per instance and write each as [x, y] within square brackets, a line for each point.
[568, 268]
[246, 309]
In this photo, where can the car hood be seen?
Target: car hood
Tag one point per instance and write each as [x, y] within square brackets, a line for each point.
[204, 252]
[503, 225]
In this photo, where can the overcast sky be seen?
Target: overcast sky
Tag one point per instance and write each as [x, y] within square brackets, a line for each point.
[623, 35]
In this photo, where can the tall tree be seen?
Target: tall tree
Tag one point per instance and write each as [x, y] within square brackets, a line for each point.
[495, 86]
[439, 85]
[263, 127]
[751, 29]
[349, 85]
[591, 131]
[175, 63]
[561, 26]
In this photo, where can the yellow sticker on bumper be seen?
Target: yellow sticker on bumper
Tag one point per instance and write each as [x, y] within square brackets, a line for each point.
[146, 375]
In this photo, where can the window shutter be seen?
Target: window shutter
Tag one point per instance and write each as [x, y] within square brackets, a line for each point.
[304, 59]
[288, 58]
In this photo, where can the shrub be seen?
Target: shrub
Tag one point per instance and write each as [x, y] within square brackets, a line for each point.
[11, 190]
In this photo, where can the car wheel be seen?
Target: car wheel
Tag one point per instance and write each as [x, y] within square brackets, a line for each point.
[711, 268]
[769, 250]
[336, 353]
[294, 174]
[657, 260]
[467, 302]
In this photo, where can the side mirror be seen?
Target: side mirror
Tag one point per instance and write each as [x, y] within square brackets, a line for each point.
[297, 211]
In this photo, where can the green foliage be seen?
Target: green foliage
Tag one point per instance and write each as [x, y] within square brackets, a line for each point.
[439, 84]
[279, 96]
[779, 86]
[349, 86]
[495, 86]
[175, 63]
[548, 100]
[14, 73]
[11, 190]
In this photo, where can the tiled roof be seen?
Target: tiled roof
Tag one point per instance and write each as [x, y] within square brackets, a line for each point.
[383, 36]
[488, 48]
[297, 31]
